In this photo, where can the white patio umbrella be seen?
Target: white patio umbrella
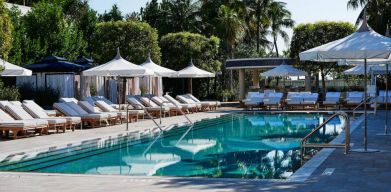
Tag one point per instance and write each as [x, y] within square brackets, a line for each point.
[11, 70]
[191, 72]
[121, 68]
[283, 70]
[373, 69]
[363, 44]
[157, 69]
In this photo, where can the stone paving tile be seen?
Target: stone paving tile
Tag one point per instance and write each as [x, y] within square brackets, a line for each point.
[353, 172]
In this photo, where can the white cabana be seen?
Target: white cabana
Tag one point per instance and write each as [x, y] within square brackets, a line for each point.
[363, 44]
[191, 72]
[10, 70]
[118, 67]
[121, 68]
[373, 69]
[154, 85]
[283, 70]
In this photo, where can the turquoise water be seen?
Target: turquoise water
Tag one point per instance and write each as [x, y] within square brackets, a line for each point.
[260, 146]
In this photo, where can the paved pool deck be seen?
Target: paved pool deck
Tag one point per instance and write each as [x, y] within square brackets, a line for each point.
[352, 172]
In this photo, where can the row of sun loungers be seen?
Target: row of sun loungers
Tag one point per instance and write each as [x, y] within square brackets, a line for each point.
[308, 99]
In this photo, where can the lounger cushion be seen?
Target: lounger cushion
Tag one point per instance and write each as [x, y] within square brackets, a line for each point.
[104, 106]
[148, 102]
[18, 112]
[66, 100]
[56, 120]
[65, 109]
[135, 103]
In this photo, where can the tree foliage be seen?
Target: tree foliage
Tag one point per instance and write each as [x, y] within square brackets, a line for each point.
[113, 15]
[48, 32]
[307, 36]
[5, 31]
[379, 12]
[179, 48]
[134, 38]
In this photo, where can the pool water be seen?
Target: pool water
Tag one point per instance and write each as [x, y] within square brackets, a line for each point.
[260, 146]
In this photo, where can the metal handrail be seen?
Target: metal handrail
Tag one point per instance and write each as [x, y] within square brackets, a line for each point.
[362, 102]
[183, 113]
[327, 145]
[145, 110]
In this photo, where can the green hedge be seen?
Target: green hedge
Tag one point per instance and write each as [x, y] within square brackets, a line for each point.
[135, 40]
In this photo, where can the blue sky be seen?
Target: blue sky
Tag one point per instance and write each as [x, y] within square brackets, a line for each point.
[303, 11]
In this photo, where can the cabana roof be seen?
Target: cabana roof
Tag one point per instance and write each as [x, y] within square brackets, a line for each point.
[56, 64]
[256, 63]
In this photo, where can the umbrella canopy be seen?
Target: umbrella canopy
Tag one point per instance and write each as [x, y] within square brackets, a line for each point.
[363, 44]
[118, 67]
[55, 64]
[359, 70]
[11, 70]
[81, 60]
[159, 70]
[192, 71]
[283, 70]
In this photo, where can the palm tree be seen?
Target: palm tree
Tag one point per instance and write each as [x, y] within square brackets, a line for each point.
[258, 22]
[230, 27]
[280, 18]
[379, 12]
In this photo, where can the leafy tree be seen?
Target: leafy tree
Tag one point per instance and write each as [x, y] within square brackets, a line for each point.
[24, 2]
[48, 32]
[280, 18]
[5, 31]
[134, 38]
[307, 36]
[177, 51]
[379, 12]
[18, 36]
[113, 15]
[230, 27]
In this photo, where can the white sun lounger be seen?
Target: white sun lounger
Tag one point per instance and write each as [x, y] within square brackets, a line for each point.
[36, 106]
[154, 111]
[116, 106]
[186, 100]
[253, 99]
[20, 114]
[215, 104]
[332, 99]
[74, 110]
[354, 98]
[38, 112]
[66, 100]
[113, 116]
[133, 114]
[272, 100]
[381, 99]
[184, 107]
[21, 127]
[166, 109]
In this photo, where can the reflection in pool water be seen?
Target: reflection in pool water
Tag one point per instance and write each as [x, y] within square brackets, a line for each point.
[248, 146]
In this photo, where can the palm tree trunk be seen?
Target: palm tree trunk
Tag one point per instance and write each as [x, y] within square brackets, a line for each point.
[275, 45]
[258, 24]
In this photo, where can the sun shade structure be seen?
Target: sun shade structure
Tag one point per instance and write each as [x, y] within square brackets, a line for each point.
[283, 70]
[363, 44]
[11, 70]
[359, 70]
[56, 64]
[121, 68]
[118, 67]
[157, 69]
[191, 72]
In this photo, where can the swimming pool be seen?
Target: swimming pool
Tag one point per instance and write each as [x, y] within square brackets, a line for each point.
[260, 146]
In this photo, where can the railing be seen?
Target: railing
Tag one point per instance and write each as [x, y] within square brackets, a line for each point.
[146, 111]
[362, 103]
[346, 145]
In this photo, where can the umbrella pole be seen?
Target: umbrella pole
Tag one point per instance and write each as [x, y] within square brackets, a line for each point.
[191, 86]
[365, 106]
[386, 123]
[365, 150]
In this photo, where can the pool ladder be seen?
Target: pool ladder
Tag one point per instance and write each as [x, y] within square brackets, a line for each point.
[346, 145]
[362, 103]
